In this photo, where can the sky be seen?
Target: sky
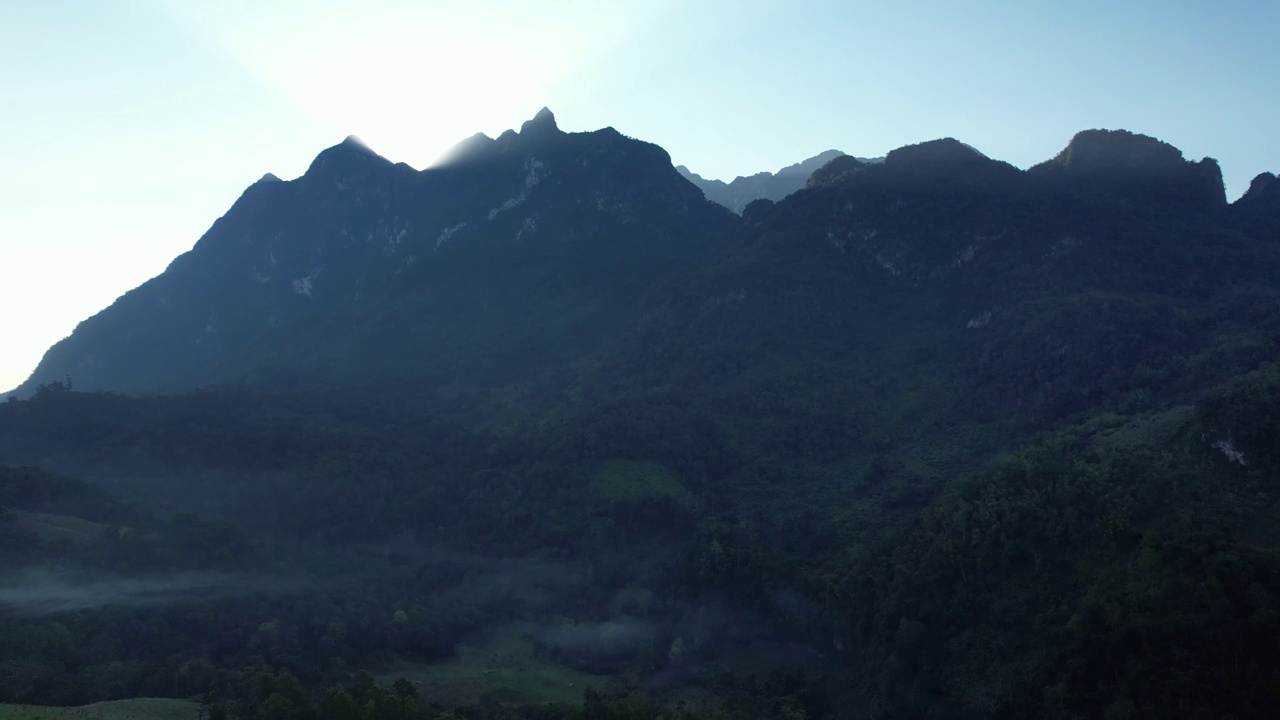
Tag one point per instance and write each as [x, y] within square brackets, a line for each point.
[129, 126]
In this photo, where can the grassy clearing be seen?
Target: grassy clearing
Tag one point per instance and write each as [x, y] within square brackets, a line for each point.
[133, 709]
[58, 527]
[501, 666]
[622, 481]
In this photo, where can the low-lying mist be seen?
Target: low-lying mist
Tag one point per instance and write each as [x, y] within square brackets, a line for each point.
[46, 591]
[602, 620]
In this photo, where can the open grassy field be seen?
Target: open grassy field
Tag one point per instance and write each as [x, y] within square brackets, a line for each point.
[55, 528]
[133, 709]
[501, 666]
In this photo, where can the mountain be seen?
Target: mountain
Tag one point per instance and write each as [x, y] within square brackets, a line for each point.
[1260, 205]
[1118, 162]
[969, 441]
[565, 230]
[739, 193]
[841, 325]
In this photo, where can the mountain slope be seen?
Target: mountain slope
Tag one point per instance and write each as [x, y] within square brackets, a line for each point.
[896, 323]
[742, 191]
[569, 227]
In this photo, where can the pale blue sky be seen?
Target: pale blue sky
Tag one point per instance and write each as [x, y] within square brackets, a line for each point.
[130, 125]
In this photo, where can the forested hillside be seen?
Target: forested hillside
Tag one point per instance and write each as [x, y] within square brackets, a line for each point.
[550, 435]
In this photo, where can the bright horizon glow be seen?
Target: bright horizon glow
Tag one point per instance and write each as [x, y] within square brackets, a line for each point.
[132, 125]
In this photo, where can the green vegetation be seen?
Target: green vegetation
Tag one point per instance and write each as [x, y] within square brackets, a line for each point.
[503, 668]
[620, 482]
[1126, 545]
[133, 709]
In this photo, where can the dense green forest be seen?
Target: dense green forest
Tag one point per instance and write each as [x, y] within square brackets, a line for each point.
[934, 437]
[1071, 576]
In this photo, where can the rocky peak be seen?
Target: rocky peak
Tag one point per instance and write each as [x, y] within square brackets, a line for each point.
[466, 151]
[1264, 188]
[1123, 163]
[739, 193]
[1259, 207]
[349, 157]
[542, 125]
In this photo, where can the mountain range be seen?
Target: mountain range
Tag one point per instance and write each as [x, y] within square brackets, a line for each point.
[741, 191]
[588, 223]
[973, 441]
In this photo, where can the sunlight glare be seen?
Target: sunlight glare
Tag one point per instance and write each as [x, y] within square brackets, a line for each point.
[411, 79]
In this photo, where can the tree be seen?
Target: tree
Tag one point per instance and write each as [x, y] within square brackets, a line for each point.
[339, 705]
[404, 689]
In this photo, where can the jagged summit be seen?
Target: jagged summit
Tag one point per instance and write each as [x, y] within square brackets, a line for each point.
[1260, 205]
[543, 123]
[356, 230]
[1264, 188]
[465, 150]
[358, 234]
[743, 190]
[350, 155]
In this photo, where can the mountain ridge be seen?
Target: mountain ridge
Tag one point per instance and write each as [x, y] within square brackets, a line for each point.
[742, 190]
[355, 225]
[349, 191]
[1123, 162]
